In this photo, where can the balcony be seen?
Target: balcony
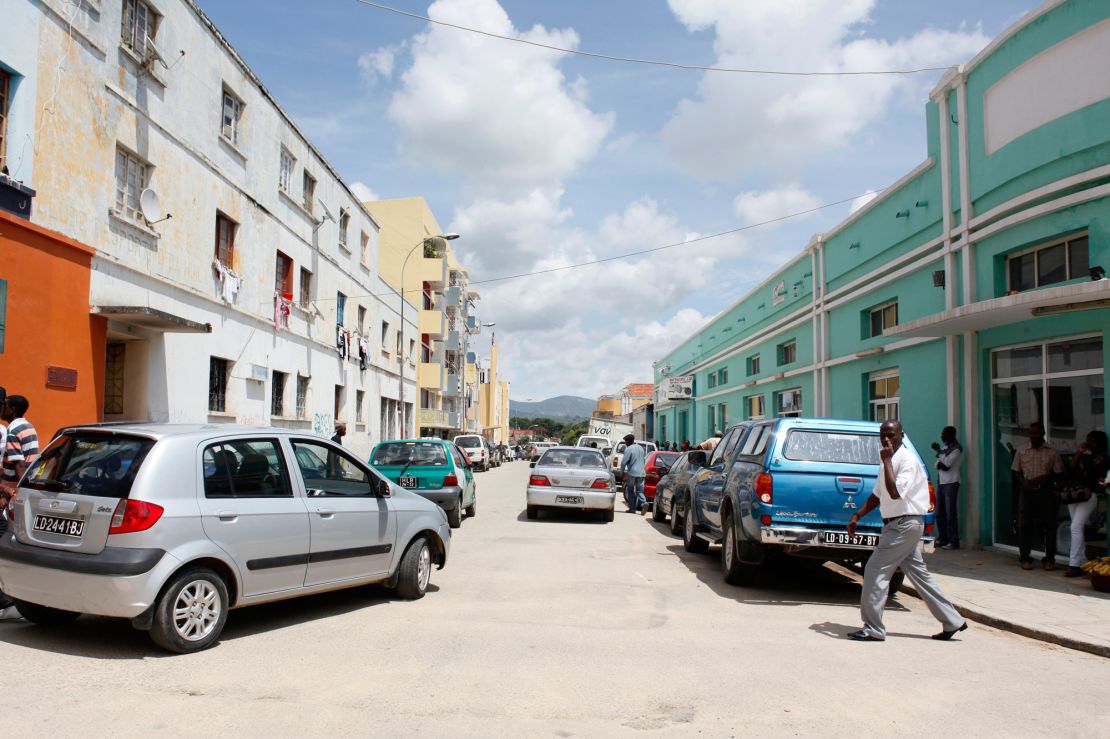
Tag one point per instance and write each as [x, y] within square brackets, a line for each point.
[430, 376]
[453, 295]
[433, 323]
[433, 271]
[434, 418]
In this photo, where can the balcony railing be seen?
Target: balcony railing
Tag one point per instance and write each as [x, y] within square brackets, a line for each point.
[434, 418]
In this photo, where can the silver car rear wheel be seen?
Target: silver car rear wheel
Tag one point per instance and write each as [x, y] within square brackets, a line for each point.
[192, 611]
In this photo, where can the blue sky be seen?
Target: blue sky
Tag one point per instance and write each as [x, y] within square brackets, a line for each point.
[542, 159]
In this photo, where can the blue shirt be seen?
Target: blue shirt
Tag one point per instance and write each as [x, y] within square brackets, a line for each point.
[633, 460]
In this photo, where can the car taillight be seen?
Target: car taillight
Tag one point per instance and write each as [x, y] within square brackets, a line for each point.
[538, 481]
[449, 480]
[601, 483]
[134, 515]
[932, 499]
[764, 488]
[615, 462]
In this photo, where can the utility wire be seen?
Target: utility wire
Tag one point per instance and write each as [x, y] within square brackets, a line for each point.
[639, 252]
[637, 60]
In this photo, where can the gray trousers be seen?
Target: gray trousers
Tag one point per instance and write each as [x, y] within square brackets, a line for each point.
[899, 545]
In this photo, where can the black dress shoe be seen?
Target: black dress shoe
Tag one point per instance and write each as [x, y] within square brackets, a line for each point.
[946, 635]
[863, 635]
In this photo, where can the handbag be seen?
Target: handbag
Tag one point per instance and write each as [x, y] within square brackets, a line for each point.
[1070, 490]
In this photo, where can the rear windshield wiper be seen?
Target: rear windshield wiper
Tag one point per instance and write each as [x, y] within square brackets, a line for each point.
[55, 486]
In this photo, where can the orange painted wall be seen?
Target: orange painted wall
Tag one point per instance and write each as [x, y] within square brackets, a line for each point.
[48, 324]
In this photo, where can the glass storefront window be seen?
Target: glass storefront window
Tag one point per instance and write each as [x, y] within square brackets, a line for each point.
[1062, 385]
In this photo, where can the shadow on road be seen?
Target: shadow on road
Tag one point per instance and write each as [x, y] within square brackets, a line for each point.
[841, 631]
[114, 638]
[563, 515]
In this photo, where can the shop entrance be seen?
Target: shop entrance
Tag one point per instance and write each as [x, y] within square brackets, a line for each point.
[1061, 384]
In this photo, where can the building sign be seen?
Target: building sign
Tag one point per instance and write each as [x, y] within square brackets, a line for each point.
[778, 293]
[61, 377]
[680, 388]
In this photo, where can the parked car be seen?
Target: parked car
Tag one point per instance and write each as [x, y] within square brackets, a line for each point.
[173, 526]
[571, 477]
[432, 468]
[474, 448]
[617, 456]
[537, 448]
[655, 467]
[672, 488]
[788, 487]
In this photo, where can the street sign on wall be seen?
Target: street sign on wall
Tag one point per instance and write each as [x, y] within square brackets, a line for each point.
[680, 388]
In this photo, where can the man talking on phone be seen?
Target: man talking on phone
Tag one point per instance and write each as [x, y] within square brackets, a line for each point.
[902, 496]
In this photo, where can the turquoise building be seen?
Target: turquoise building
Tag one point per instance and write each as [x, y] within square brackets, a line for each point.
[967, 293]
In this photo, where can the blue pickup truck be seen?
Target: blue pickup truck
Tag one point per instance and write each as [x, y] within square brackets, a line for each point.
[787, 487]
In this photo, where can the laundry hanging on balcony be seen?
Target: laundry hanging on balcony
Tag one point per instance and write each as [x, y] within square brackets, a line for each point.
[282, 308]
[341, 341]
[363, 353]
[229, 281]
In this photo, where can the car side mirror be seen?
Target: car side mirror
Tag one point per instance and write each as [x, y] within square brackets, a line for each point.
[607, 451]
[383, 489]
[532, 464]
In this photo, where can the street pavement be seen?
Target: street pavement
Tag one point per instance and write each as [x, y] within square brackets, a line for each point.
[563, 626]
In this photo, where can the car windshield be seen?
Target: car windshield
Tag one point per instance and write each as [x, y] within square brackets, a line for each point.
[571, 458]
[468, 442]
[412, 453]
[828, 446]
[101, 465]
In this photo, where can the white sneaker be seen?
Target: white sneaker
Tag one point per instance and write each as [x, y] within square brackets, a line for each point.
[11, 613]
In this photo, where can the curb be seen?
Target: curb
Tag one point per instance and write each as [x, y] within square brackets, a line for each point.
[978, 616]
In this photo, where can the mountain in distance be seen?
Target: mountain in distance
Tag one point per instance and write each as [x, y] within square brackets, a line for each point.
[562, 406]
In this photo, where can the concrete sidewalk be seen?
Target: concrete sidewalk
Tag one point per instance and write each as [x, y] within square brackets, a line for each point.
[990, 587]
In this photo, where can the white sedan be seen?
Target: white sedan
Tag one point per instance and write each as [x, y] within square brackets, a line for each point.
[571, 477]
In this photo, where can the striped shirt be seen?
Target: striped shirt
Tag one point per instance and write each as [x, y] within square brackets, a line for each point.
[22, 446]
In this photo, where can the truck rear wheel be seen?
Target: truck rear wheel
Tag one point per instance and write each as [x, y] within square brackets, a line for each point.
[735, 571]
[691, 542]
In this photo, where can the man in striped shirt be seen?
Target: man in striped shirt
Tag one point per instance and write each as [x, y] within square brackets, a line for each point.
[23, 442]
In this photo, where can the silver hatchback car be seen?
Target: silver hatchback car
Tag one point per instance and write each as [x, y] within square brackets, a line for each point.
[172, 526]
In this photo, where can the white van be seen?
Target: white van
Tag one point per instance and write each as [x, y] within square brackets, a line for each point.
[596, 441]
[474, 447]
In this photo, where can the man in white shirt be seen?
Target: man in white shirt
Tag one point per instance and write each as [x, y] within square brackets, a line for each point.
[948, 488]
[902, 496]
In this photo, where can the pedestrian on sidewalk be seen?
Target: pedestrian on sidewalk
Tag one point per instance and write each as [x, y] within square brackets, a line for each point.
[340, 432]
[902, 496]
[948, 478]
[20, 450]
[632, 465]
[1035, 465]
[1090, 465]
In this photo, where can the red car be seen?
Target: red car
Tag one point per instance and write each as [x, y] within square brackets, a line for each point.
[655, 465]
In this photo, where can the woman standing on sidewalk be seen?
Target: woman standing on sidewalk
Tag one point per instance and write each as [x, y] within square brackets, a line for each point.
[1090, 465]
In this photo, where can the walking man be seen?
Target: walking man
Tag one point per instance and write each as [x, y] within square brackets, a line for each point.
[902, 496]
[1035, 464]
[948, 477]
[20, 450]
[340, 432]
[632, 465]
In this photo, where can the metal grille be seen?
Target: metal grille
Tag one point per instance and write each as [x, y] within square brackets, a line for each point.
[277, 394]
[302, 395]
[217, 385]
[113, 377]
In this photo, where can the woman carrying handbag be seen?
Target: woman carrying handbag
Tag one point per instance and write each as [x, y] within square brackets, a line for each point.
[1089, 468]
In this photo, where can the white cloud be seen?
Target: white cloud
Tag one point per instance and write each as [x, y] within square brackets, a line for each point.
[500, 114]
[862, 200]
[768, 205]
[739, 123]
[363, 192]
[377, 64]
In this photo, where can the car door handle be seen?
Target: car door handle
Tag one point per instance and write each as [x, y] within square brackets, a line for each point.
[228, 516]
[325, 512]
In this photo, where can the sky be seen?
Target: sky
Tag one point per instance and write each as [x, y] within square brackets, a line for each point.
[541, 159]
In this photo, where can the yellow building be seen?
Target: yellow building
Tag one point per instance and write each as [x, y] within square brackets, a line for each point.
[438, 287]
[608, 405]
[493, 400]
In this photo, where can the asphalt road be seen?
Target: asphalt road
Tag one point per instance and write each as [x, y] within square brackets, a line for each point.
[563, 626]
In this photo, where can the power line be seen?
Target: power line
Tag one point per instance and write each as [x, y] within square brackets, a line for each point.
[641, 252]
[637, 60]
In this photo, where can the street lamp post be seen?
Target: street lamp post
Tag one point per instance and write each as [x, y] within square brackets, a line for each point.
[401, 349]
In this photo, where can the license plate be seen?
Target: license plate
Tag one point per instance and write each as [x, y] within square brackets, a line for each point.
[408, 482]
[63, 526]
[568, 499]
[843, 538]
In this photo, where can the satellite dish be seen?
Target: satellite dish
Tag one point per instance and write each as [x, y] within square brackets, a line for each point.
[150, 204]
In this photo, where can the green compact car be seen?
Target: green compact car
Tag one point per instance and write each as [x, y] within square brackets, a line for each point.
[432, 468]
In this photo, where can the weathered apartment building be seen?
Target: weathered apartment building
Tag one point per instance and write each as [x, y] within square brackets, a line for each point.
[235, 275]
